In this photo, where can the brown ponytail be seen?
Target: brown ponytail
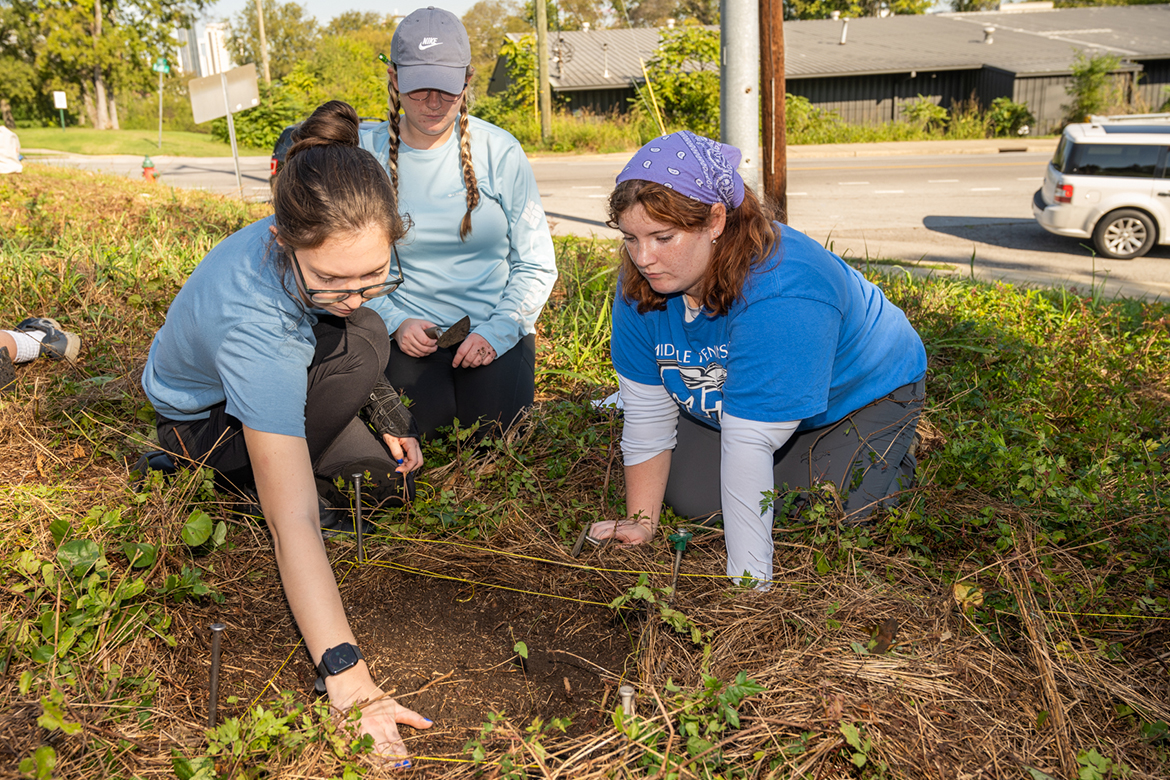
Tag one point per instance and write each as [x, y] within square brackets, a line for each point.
[393, 131]
[329, 185]
[469, 181]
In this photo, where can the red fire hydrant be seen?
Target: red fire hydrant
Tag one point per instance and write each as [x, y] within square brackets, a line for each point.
[148, 169]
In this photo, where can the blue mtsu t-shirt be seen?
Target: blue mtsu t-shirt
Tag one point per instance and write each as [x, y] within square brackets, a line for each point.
[810, 339]
[234, 333]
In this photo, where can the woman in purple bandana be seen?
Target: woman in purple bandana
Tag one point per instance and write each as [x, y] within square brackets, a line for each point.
[749, 359]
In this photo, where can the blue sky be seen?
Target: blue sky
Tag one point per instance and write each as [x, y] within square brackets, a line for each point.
[325, 10]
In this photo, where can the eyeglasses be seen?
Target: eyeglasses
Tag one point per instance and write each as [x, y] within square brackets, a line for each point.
[329, 297]
[424, 95]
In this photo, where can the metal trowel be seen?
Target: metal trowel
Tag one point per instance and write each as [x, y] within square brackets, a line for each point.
[451, 336]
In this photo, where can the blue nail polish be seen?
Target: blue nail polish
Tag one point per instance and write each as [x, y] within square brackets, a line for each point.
[428, 720]
[400, 461]
[403, 764]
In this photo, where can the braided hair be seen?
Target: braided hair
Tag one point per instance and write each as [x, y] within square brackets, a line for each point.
[470, 184]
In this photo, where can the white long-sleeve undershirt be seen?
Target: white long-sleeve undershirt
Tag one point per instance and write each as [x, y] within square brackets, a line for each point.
[746, 450]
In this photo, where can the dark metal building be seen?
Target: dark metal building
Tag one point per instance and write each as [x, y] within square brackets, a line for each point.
[887, 63]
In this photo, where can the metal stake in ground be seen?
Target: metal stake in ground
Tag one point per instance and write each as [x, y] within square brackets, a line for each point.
[217, 630]
[626, 692]
[357, 516]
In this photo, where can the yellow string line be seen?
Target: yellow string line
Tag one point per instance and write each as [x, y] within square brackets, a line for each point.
[1105, 614]
[272, 680]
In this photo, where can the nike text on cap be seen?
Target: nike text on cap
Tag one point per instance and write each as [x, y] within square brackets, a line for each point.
[431, 51]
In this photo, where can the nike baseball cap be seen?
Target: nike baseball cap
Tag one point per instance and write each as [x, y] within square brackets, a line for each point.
[431, 50]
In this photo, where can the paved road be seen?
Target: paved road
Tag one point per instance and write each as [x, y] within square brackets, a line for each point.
[213, 174]
[937, 209]
[940, 209]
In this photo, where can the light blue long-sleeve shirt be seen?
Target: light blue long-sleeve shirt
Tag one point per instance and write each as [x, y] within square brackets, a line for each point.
[502, 275]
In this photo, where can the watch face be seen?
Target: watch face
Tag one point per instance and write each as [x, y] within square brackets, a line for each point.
[337, 659]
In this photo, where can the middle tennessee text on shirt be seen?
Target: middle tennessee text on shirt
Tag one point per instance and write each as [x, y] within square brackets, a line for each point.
[694, 378]
[810, 340]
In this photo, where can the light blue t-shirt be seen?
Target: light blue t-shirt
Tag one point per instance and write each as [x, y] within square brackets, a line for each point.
[810, 339]
[501, 276]
[235, 333]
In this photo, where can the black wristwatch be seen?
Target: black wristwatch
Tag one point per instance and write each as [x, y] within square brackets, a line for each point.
[336, 660]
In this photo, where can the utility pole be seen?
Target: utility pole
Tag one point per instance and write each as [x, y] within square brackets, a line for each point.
[263, 42]
[545, 92]
[739, 71]
[774, 162]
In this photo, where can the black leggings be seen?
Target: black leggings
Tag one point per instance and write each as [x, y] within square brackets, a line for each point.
[439, 394]
[867, 456]
[351, 354]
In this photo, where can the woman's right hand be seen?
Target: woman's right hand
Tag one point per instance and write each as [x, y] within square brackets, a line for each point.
[380, 714]
[413, 340]
[625, 531]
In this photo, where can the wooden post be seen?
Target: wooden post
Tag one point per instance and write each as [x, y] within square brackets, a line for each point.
[772, 84]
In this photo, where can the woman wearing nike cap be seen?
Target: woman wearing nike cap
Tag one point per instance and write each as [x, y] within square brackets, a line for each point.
[749, 358]
[479, 245]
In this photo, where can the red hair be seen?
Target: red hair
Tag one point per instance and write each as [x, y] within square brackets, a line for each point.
[747, 240]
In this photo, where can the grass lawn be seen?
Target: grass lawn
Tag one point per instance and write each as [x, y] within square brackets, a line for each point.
[82, 140]
[1010, 619]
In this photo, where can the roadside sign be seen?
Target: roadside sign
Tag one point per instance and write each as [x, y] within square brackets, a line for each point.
[59, 100]
[161, 65]
[225, 94]
[208, 93]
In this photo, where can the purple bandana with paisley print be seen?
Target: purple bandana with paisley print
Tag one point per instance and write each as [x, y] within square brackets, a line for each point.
[691, 165]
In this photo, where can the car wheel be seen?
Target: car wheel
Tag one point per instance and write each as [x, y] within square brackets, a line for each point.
[1124, 234]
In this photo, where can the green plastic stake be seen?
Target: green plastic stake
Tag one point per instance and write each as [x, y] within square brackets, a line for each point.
[679, 540]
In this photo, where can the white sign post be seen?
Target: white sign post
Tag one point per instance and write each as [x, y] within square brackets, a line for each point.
[60, 103]
[225, 94]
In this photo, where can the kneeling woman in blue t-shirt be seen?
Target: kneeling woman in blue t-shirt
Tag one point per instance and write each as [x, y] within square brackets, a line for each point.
[273, 347]
[749, 358]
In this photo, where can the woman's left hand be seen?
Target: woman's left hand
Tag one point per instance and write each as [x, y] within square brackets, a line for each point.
[473, 353]
[406, 451]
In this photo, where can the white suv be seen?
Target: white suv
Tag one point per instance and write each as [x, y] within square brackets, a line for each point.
[1109, 181]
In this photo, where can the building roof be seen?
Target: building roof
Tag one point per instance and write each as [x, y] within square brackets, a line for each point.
[1032, 43]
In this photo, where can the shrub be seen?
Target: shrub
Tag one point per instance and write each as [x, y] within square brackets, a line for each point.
[259, 127]
[925, 113]
[1093, 88]
[684, 73]
[1007, 117]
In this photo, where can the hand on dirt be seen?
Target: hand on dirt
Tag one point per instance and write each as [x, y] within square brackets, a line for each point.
[473, 353]
[380, 714]
[625, 531]
[413, 340]
[406, 451]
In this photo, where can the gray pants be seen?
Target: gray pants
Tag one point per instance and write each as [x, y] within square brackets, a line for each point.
[866, 455]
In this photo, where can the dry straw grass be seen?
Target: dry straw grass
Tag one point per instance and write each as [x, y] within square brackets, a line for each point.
[960, 692]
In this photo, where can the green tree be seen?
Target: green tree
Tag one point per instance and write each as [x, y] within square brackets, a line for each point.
[823, 9]
[290, 34]
[684, 72]
[343, 67]
[1093, 88]
[359, 21]
[969, 6]
[18, 76]
[488, 22]
[96, 47]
